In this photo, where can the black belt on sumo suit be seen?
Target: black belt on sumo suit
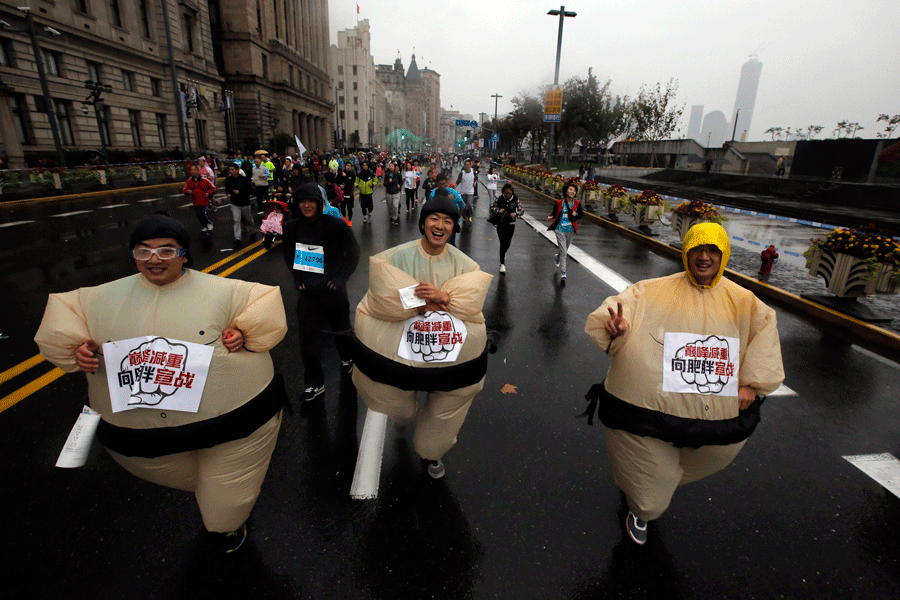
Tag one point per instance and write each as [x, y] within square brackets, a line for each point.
[681, 432]
[233, 425]
[427, 379]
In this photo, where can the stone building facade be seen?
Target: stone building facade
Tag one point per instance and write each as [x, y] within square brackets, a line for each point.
[414, 99]
[277, 75]
[358, 91]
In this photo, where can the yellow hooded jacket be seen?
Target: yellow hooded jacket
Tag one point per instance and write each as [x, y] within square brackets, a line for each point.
[675, 372]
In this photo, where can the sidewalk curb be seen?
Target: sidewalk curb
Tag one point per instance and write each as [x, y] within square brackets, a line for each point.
[881, 341]
[27, 201]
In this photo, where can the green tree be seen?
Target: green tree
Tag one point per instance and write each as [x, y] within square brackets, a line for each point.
[590, 113]
[528, 118]
[891, 125]
[655, 114]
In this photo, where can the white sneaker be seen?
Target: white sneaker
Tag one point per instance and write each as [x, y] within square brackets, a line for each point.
[503, 268]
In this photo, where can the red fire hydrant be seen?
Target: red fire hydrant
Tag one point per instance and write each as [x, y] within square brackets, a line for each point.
[768, 256]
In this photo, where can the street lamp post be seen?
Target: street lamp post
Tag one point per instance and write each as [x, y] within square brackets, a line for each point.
[45, 90]
[562, 15]
[496, 98]
[96, 88]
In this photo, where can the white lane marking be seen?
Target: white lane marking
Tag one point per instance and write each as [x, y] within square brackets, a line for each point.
[69, 214]
[368, 462]
[14, 223]
[186, 205]
[114, 206]
[607, 275]
[149, 200]
[883, 468]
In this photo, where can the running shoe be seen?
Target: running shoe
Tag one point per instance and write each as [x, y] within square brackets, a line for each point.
[436, 469]
[636, 528]
[311, 393]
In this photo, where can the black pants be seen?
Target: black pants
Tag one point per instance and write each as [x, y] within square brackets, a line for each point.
[320, 311]
[505, 233]
[365, 203]
[410, 199]
[262, 196]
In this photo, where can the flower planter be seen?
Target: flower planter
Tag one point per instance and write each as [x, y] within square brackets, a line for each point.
[612, 205]
[644, 215]
[850, 277]
[681, 223]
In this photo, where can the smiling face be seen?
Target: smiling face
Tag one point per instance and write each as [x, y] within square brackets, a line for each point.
[307, 207]
[438, 229]
[157, 270]
[703, 263]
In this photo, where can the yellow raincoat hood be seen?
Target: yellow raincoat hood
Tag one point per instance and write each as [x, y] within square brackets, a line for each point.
[702, 234]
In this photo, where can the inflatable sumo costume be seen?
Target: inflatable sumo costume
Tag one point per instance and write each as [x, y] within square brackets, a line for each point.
[178, 409]
[669, 404]
[444, 353]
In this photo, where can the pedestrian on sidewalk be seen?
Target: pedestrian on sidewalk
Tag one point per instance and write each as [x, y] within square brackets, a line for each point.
[322, 254]
[492, 180]
[410, 186]
[436, 342]
[566, 213]
[165, 421]
[392, 185]
[366, 182]
[200, 191]
[347, 180]
[237, 188]
[505, 211]
[691, 355]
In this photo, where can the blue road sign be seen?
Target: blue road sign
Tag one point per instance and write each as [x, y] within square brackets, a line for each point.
[495, 137]
[552, 118]
[464, 123]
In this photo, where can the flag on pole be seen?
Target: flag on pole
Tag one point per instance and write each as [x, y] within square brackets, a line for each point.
[357, 8]
[301, 150]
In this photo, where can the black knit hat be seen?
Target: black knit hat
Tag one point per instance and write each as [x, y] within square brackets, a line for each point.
[161, 225]
[441, 202]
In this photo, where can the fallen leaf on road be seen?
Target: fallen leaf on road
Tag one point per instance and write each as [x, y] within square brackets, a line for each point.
[508, 389]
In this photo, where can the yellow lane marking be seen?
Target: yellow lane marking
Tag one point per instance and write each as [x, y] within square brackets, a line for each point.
[230, 258]
[27, 390]
[20, 368]
[45, 380]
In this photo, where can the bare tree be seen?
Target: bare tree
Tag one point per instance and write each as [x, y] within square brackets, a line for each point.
[892, 123]
[655, 114]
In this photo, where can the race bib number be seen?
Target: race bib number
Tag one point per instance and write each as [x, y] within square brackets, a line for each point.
[435, 337]
[309, 258]
[156, 372]
[701, 364]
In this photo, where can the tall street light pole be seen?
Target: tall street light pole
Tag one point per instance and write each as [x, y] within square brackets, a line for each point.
[562, 15]
[180, 108]
[496, 98]
[45, 89]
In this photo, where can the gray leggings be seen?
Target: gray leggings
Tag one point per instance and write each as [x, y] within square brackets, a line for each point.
[563, 241]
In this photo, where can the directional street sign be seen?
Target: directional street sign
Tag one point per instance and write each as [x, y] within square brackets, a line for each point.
[464, 123]
[557, 118]
[553, 102]
[495, 137]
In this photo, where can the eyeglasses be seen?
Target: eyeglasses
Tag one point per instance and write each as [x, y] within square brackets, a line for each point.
[165, 253]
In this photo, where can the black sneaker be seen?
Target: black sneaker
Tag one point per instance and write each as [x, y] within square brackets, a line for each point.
[436, 469]
[311, 393]
[346, 367]
[636, 528]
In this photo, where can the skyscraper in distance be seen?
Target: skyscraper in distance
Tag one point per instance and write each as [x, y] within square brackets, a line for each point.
[745, 99]
[696, 122]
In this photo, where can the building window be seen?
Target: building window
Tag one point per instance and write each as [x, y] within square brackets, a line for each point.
[64, 122]
[265, 65]
[356, 115]
[354, 70]
[155, 86]
[340, 99]
[20, 118]
[340, 69]
[103, 118]
[115, 15]
[340, 85]
[127, 81]
[144, 13]
[134, 121]
[342, 115]
[51, 63]
[354, 85]
[161, 130]
[187, 29]
[277, 28]
[202, 137]
[258, 18]
[5, 54]
[356, 100]
[93, 70]
[81, 6]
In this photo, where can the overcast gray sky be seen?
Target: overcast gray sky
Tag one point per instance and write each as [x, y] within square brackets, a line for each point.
[824, 61]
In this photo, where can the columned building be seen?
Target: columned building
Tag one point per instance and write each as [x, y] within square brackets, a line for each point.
[275, 56]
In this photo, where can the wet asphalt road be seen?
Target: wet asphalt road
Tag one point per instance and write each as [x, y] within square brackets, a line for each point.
[528, 508]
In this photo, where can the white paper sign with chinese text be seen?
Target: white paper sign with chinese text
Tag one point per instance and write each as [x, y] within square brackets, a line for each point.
[435, 337]
[701, 364]
[156, 372]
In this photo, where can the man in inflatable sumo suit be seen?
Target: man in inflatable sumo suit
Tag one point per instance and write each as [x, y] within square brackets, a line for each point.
[691, 355]
[439, 347]
[220, 450]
